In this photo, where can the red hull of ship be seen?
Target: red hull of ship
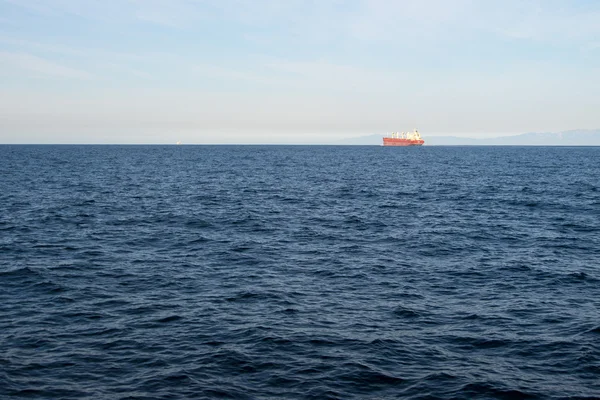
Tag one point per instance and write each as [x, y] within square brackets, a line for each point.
[402, 142]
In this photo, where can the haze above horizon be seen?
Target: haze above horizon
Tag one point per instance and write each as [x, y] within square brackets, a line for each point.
[252, 71]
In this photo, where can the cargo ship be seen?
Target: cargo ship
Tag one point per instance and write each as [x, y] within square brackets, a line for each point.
[404, 139]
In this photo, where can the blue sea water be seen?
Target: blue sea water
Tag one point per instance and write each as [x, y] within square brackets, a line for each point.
[326, 272]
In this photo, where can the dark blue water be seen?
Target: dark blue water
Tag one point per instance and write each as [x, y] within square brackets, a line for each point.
[172, 272]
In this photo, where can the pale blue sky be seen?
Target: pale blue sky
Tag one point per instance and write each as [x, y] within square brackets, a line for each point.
[280, 71]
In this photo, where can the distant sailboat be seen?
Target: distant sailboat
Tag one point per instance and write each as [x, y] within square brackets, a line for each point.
[178, 142]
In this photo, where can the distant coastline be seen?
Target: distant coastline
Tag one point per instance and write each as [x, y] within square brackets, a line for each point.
[578, 137]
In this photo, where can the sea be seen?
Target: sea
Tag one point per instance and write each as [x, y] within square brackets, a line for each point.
[299, 272]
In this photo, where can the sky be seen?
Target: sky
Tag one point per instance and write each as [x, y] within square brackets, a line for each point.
[294, 71]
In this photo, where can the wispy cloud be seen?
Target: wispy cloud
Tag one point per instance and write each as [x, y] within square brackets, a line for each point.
[238, 75]
[35, 6]
[40, 46]
[41, 66]
[327, 76]
[369, 20]
[104, 61]
[546, 21]
[6, 21]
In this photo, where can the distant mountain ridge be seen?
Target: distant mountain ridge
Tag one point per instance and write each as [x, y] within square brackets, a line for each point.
[576, 137]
